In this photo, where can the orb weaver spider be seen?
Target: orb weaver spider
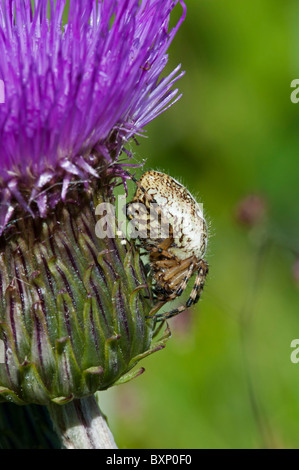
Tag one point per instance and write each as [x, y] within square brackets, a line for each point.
[173, 257]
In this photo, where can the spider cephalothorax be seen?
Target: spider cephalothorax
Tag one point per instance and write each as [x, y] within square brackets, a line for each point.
[172, 229]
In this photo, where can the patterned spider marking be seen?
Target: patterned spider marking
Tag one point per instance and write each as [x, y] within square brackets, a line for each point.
[148, 200]
[175, 258]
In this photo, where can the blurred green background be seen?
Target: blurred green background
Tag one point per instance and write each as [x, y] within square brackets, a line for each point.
[226, 379]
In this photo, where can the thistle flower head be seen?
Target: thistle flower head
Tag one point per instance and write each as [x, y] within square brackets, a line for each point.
[73, 308]
[75, 93]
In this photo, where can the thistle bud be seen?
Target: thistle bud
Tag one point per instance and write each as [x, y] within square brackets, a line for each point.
[73, 307]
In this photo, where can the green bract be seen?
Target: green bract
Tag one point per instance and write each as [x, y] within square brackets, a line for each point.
[72, 308]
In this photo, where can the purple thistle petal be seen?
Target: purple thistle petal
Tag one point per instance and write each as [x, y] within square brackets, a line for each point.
[75, 93]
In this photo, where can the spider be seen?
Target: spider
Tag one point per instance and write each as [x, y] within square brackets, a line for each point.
[160, 202]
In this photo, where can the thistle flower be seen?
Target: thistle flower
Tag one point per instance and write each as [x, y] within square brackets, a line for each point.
[74, 95]
[72, 317]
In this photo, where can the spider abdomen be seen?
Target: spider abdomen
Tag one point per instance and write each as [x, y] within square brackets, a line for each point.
[180, 210]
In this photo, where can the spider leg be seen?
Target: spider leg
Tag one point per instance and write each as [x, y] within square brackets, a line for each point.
[173, 281]
[194, 295]
[160, 251]
[184, 283]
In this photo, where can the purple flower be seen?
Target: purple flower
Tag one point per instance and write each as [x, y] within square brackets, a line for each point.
[75, 93]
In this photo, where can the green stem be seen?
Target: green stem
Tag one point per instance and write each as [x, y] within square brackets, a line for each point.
[80, 424]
